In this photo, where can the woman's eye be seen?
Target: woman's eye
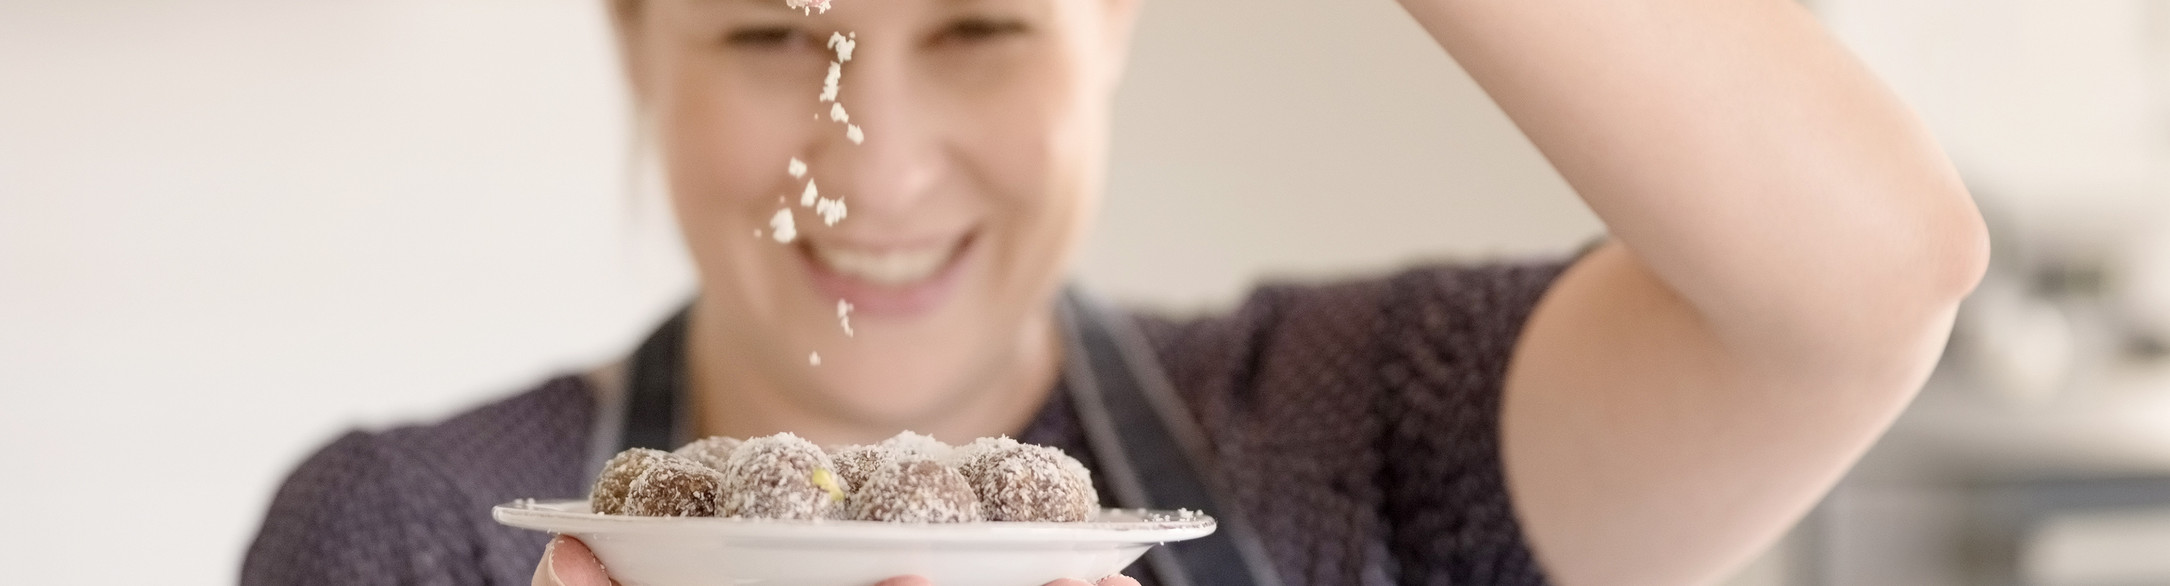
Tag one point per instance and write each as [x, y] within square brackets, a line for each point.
[980, 30]
[768, 38]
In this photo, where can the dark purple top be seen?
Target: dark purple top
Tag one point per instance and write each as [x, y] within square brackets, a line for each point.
[1357, 423]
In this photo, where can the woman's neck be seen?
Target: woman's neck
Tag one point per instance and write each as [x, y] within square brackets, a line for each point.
[731, 396]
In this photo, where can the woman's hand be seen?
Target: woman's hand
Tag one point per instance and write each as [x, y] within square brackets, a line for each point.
[1115, 580]
[567, 562]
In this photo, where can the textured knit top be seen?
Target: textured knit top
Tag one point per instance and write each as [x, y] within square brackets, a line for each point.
[1356, 423]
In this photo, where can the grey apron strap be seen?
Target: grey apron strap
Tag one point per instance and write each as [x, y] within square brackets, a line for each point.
[655, 387]
[1151, 450]
[1148, 446]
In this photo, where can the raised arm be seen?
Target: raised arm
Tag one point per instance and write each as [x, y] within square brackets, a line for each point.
[1789, 248]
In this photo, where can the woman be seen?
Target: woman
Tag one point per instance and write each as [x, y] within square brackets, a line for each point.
[1787, 248]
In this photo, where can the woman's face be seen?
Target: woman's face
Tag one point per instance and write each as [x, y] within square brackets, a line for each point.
[985, 128]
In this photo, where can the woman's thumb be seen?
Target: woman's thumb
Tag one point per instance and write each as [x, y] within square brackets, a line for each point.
[567, 562]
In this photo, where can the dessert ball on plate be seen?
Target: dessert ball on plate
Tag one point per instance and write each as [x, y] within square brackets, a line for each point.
[918, 444]
[855, 463]
[911, 488]
[782, 476]
[1025, 482]
[608, 497]
[674, 487]
[712, 451]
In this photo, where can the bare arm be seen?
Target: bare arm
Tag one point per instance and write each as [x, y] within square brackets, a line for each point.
[1789, 248]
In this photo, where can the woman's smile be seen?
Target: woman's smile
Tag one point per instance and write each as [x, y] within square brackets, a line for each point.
[896, 279]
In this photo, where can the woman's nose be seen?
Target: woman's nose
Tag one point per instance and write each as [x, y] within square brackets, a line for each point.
[897, 163]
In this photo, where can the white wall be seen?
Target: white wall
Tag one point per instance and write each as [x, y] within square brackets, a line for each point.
[230, 229]
[2058, 112]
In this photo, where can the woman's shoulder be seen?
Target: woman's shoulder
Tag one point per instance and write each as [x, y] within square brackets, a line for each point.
[427, 488]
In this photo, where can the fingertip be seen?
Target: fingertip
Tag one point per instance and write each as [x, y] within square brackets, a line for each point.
[906, 581]
[1118, 580]
[571, 563]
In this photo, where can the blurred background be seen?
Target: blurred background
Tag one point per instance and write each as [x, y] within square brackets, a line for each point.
[231, 229]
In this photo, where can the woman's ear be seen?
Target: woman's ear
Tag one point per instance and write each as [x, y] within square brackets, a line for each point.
[626, 21]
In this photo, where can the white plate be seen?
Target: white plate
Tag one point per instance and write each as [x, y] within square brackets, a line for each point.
[681, 551]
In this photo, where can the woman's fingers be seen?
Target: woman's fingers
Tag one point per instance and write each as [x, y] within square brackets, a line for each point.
[567, 562]
[1115, 580]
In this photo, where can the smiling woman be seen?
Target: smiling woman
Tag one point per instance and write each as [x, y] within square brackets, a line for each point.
[1649, 412]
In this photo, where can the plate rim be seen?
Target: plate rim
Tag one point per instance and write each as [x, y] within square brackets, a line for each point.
[551, 515]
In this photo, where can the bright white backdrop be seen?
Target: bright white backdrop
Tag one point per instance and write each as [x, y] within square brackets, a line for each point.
[230, 229]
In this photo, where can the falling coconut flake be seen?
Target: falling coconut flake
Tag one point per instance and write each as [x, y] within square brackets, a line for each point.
[831, 210]
[843, 314]
[797, 168]
[852, 132]
[843, 45]
[828, 84]
[809, 6]
[837, 113]
[781, 225]
[807, 199]
[813, 358]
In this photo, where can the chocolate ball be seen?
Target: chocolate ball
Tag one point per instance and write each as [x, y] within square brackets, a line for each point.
[674, 487]
[855, 463]
[781, 476]
[1031, 483]
[968, 458]
[608, 496]
[712, 451]
[915, 489]
[918, 444]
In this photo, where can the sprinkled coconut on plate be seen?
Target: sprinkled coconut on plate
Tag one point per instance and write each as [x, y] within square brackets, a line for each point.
[909, 478]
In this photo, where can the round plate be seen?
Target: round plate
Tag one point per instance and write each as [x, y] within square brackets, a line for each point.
[675, 551]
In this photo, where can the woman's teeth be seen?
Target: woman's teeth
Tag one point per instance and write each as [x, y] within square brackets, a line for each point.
[894, 267]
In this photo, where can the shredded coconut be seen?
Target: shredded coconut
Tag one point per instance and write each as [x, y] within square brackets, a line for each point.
[843, 45]
[712, 451]
[782, 476]
[843, 314]
[674, 487]
[1025, 482]
[908, 478]
[856, 462]
[915, 489]
[829, 84]
[608, 497]
[831, 210]
[782, 226]
[918, 444]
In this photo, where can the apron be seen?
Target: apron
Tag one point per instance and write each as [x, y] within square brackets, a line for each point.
[1148, 447]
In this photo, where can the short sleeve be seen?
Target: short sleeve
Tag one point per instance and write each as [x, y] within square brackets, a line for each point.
[1449, 335]
[358, 513]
